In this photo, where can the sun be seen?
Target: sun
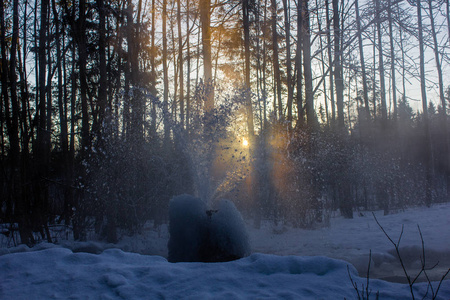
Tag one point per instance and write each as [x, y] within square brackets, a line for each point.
[244, 142]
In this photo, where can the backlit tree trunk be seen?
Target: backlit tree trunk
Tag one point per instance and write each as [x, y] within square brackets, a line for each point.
[287, 28]
[309, 96]
[298, 63]
[276, 63]
[247, 87]
[165, 76]
[205, 20]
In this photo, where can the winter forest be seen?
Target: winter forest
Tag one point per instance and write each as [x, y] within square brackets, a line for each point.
[292, 109]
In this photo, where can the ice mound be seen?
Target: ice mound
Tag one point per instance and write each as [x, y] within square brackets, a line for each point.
[198, 234]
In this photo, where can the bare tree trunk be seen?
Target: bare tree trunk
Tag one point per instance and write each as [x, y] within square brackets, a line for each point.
[3, 77]
[259, 86]
[374, 87]
[276, 64]
[441, 96]
[62, 108]
[330, 62]
[363, 64]
[82, 53]
[309, 96]
[298, 62]
[403, 61]
[174, 113]
[44, 138]
[61, 100]
[153, 67]
[287, 28]
[102, 88]
[165, 77]
[447, 2]
[188, 60]
[205, 20]
[322, 58]
[15, 180]
[338, 76]
[247, 87]
[381, 67]
[428, 153]
[136, 101]
[391, 41]
[26, 120]
[181, 62]
[437, 59]
[197, 75]
[264, 67]
[4, 104]
[14, 123]
[74, 89]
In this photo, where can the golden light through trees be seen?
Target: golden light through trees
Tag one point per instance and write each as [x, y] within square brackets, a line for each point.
[244, 142]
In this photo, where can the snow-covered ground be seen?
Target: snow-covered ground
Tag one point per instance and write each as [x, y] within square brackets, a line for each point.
[353, 239]
[287, 263]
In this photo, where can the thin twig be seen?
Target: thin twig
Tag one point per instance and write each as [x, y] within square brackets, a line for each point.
[397, 250]
[368, 275]
[440, 282]
[354, 284]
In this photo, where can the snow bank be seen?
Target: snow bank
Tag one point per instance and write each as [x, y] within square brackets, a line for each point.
[197, 234]
[59, 273]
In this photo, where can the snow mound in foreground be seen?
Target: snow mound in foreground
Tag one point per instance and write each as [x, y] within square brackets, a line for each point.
[59, 273]
[197, 234]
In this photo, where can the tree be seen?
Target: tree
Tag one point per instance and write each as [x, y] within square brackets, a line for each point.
[82, 62]
[309, 96]
[181, 62]
[381, 66]
[338, 76]
[441, 93]
[426, 128]
[330, 62]
[205, 20]
[247, 87]
[43, 132]
[165, 76]
[276, 67]
[287, 28]
[298, 64]
[393, 58]
[362, 62]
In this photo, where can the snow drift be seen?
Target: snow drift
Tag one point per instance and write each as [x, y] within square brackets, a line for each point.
[198, 234]
[58, 273]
